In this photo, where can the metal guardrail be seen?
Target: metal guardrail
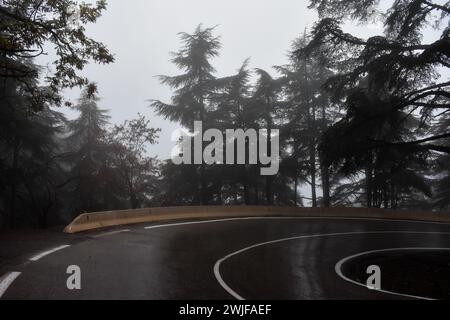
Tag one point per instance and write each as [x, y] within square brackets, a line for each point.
[96, 220]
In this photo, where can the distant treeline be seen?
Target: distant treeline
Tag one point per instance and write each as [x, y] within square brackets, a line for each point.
[362, 122]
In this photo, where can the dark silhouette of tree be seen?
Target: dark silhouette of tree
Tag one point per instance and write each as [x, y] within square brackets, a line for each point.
[364, 122]
[193, 89]
[26, 27]
[129, 142]
[266, 97]
[28, 165]
[88, 153]
[233, 110]
[308, 112]
[441, 169]
[385, 82]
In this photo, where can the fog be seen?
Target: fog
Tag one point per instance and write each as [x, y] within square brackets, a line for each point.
[142, 33]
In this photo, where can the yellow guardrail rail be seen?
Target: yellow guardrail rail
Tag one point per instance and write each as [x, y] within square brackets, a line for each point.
[96, 220]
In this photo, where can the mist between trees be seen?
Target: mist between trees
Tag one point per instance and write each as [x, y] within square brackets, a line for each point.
[362, 122]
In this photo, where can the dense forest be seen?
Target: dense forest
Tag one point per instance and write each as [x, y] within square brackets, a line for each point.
[362, 122]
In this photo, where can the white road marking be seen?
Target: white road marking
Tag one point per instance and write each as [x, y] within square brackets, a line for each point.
[338, 268]
[234, 294]
[110, 233]
[197, 222]
[289, 218]
[7, 280]
[46, 253]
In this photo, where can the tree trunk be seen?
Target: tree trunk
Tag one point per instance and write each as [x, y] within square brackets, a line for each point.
[312, 132]
[325, 169]
[312, 164]
[386, 196]
[269, 193]
[256, 192]
[44, 222]
[326, 186]
[133, 197]
[369, 200]
[203, 200]
[12, 206]
[269, 179]
[133, 201]
[296, 191]
[246, 188]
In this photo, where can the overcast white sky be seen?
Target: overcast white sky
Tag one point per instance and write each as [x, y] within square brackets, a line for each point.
[141, 33]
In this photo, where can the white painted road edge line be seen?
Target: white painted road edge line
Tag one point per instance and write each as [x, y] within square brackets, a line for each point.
[7, 280]
[234, 294]
[338, 268]
[289, 218]
[46, 253]
[110, 233]
[199, 222]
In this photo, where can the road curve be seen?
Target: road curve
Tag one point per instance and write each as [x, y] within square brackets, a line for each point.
[253, 258]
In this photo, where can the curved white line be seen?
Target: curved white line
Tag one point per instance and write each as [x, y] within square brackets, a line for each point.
[237, 296]
[196, 222]
[338, 268]
[7, 280]
[13, 275]
[288, 218]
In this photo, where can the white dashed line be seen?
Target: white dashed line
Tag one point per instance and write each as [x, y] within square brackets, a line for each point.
[10, 277]
[237, 296]
[7, 280]
[46, 253]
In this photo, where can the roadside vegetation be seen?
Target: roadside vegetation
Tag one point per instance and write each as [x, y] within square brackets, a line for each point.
[363, 122]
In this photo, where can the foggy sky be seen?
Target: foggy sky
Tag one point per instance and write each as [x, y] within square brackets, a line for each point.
[141, 33]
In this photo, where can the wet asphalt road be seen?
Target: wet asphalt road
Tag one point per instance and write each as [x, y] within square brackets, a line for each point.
[177, 261]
